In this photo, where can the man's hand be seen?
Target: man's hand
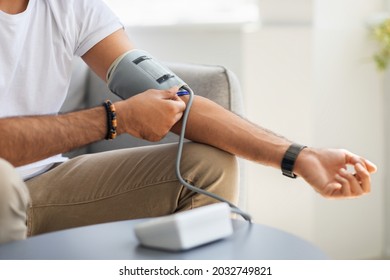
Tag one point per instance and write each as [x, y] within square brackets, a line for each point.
[326, 171]
[150, 115]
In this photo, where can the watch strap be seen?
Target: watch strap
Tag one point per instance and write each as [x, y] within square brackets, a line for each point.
[289, 159]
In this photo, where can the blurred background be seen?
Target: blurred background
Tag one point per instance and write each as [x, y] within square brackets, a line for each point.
[307, 72]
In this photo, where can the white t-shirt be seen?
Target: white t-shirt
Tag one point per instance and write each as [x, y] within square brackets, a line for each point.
[36, 52]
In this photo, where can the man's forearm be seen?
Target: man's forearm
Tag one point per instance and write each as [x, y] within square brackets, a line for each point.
[28, 139]
[211, 124]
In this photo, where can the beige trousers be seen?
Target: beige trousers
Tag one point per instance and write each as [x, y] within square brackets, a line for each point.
[127, 184]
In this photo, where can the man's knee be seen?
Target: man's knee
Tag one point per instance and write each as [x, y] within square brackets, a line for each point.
[212, 158]
[13, 203]
[212, 169]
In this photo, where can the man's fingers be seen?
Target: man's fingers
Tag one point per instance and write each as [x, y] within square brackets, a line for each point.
[371, 167]
[354, 159]
[171, 95]
[350, 184]
[354, 185]
[345, 189]
[173, 92]
[166, 94]
[180, 104]
[363, 176]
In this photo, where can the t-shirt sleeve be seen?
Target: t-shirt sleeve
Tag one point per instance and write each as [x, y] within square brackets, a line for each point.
[94, 22]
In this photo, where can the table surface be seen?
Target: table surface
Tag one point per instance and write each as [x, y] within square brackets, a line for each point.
[117, 241]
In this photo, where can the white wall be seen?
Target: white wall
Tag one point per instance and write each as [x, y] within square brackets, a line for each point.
[386, 169]
[348, 112]
[324, 75]
[284, 12]
[277, 87]
[387, 154]
[208, 44]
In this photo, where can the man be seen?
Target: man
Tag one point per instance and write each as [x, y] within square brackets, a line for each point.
[38, 39]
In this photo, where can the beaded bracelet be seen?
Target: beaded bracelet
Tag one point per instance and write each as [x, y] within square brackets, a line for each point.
[111, 119]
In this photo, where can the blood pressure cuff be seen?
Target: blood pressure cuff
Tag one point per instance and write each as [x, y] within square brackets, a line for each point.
[137, 71]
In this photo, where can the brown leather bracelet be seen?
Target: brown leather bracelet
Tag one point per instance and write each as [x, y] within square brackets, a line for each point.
[111, 120]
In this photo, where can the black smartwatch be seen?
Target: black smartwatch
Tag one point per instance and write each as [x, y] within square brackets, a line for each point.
[289, 159]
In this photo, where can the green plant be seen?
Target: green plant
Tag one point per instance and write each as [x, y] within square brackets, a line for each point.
[381, 34]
